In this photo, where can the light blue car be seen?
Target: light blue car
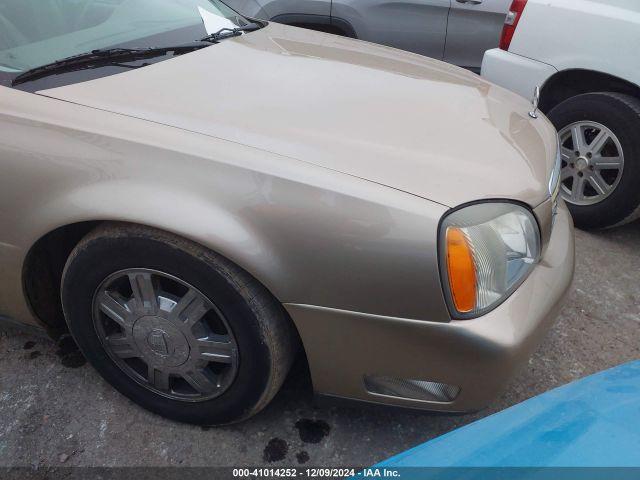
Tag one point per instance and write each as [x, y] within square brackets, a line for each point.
[593, 422]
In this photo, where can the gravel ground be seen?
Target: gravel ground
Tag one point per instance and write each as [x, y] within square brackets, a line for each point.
[56, 411]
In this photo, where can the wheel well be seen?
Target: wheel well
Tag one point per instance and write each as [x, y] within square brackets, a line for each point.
[320, 28]
[569, 83]
[319, 23]
[42, 271]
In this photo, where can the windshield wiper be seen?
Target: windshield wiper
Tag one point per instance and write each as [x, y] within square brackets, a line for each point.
[113, 56]
[102, 57]
[231, 32]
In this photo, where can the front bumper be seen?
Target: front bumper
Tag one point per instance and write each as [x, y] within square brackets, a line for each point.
[479, 356]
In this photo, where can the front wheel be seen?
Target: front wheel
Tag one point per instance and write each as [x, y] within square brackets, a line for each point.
[600, 149]
[175, 327]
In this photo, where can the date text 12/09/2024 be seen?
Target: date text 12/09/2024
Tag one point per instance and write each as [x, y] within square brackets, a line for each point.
[373, 472]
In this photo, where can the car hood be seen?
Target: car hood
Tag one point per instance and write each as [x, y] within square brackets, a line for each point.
[384, 115]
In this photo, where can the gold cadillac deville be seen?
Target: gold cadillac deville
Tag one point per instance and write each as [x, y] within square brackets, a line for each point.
[198, 197]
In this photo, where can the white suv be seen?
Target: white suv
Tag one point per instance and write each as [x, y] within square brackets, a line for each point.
[584, 55]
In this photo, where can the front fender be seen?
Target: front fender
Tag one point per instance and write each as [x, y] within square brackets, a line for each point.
[311, 235]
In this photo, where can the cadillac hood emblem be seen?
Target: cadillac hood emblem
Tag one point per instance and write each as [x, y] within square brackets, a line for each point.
[535, 102]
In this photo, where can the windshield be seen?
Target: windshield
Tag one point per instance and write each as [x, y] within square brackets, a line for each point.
[38, 32]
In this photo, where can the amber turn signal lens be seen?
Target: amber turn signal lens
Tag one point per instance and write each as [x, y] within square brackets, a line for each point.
[461, 270]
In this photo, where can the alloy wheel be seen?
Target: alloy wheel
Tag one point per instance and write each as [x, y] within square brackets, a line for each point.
[592, 162]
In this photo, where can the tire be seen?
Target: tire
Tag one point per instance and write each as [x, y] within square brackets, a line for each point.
[621, 115]
[261, 340]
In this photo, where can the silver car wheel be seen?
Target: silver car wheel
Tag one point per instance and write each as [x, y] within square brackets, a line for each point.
[165, 334]
[592, 162]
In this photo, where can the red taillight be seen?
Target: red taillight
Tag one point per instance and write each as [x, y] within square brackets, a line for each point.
[511, 22]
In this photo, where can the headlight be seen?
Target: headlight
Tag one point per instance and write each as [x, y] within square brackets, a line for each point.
[486, 251]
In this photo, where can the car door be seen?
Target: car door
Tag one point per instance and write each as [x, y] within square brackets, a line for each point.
[419, 26]
[474, 27]
[284, 11]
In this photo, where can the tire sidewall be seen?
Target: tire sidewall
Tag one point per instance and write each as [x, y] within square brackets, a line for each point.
[101, 257]
[610, 111]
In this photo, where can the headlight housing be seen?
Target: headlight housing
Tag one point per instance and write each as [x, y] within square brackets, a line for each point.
[486, 251]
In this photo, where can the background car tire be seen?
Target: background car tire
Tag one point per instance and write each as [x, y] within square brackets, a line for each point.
[620, 114]
[266, 340]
